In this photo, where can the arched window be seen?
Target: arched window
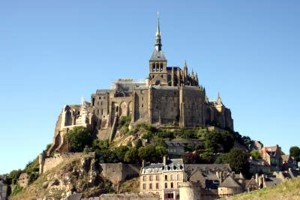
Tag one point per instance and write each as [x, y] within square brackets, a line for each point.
[161, 66]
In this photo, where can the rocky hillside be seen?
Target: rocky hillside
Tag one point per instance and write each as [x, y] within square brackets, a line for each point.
[288, 190]
[77, 175]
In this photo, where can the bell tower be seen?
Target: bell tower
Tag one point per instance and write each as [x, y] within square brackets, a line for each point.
[158, 74]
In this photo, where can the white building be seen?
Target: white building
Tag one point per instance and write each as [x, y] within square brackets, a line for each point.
[163, 178]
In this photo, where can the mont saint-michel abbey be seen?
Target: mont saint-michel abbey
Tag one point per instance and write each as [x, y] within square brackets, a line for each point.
[169, 96]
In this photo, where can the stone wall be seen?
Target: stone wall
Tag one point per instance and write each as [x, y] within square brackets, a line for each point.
[192, 101]
[118, 172]
[141, 104]
[129, 197]
[165, 105]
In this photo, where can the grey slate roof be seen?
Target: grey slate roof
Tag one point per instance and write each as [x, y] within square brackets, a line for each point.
[172, 165]
[207, 167]
[229, 182]
[158, 55]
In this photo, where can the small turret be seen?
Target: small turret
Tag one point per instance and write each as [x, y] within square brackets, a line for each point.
[185, 69]
[219, 100]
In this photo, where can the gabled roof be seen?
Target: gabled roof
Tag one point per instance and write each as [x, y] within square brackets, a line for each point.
[207, 167]
[229, 182]
[158, 56]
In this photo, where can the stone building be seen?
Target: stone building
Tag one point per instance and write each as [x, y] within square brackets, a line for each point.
[3, 190]
[229, 187]
[163, 178]
[272, 155]
[170, 95]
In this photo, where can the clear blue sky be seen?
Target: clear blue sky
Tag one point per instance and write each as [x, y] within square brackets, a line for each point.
[53, 52]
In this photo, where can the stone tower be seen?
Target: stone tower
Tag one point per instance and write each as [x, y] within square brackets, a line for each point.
[158, 74]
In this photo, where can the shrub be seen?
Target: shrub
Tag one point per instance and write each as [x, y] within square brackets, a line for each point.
[78, 138]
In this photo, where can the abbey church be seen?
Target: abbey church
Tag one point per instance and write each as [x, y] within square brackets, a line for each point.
[170, 96]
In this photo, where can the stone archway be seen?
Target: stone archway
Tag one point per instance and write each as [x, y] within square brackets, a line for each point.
[130, 108]
[123, 109]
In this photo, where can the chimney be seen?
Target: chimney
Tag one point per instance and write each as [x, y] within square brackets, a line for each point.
[256, 178]
[164, 160]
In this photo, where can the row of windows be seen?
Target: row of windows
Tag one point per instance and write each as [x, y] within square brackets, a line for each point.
[98, 112]
[100, 103]
[157, 66]
[151, 177]
[171, 177]
[151, 186]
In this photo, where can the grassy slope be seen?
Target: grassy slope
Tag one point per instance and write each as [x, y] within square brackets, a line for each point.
[288, 190]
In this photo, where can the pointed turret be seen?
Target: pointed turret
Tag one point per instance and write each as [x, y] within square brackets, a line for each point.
[158, 55]
[196, 79]
[158, 36]
[185, 69]
[219, 100]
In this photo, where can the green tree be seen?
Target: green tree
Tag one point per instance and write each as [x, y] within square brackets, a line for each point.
[238, 161]
[120, 152]
[13, 176]
[138, 144]
[207, 157]
[78, 138]
[147, 152]
[106, 156]
[255, 154]
[218, 141]
[100, 144]
[131, 156]
[295, 152]
[191, 158]
[246, 141]
[160, 151]
[221, 159]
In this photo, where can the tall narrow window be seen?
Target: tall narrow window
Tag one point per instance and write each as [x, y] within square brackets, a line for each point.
[166, 185]
[172, 185]
[166, 177]
[157, 185]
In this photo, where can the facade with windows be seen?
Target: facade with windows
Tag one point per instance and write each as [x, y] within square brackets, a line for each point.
[163, 178]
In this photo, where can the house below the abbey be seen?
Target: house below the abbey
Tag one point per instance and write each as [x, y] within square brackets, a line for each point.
[170, 95]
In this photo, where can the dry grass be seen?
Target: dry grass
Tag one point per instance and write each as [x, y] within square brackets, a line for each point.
[130, 186]
[288, 190]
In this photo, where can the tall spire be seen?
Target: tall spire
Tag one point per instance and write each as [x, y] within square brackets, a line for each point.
[158, 36]
[219, 100]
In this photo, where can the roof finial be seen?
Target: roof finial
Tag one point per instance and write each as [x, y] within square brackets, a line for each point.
[158, 36]
[158, 25]
[219, 101]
